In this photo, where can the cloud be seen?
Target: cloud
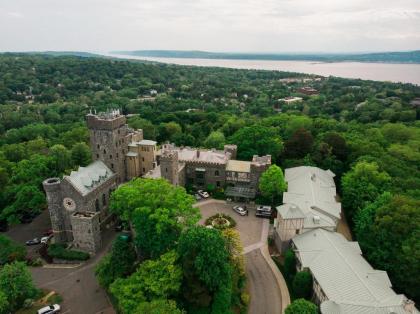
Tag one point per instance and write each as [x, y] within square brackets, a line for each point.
[217, 25]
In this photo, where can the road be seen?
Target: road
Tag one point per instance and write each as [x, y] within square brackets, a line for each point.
[263, 288]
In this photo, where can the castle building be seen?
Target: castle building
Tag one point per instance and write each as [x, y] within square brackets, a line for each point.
[78, 203]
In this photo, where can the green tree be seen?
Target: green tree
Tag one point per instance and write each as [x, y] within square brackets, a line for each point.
[61, 158]
[154, 279]
[216, 139]
[257, 140]
[4, 303]
[302, 285]
[80, 154]
[362, 185]
[290, 264]
[301, 306]
[117, 264]
[149, 130]
[158, 210]
[388, 231]
[299, 145]
[10, 250]
[158, 307]
[16, 283]
[206, 249]
[272, 184]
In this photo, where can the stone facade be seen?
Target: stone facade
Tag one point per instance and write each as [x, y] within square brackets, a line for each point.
[78, 203]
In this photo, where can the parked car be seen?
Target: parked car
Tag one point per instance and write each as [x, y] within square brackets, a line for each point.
[44, 240]
[241, 210]
[50, 309]
[33, 241]
[118, 227]
[264, 211]
[197, 197]
[203, 194]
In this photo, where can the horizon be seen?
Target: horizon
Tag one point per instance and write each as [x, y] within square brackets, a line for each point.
[211, 25]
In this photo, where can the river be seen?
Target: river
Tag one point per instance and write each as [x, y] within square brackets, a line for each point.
[393, 72]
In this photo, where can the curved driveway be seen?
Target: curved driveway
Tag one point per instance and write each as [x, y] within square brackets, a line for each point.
[266, 297]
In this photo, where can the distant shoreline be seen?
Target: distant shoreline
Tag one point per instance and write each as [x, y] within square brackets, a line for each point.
[412, 57]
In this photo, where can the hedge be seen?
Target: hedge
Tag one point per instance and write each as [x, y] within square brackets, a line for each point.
[58, 250]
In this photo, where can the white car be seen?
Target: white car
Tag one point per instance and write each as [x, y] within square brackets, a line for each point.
[44, 240]
[50, 309]
[203, 194]
[240, 210]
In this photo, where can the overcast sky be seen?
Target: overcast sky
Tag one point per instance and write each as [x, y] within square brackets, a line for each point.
[212, 25]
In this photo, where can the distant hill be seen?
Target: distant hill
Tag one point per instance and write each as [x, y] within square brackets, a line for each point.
[58, 53]
[389, 57]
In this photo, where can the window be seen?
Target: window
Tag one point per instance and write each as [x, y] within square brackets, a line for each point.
[97, 205]
[144, 170]
[112, 166]
[218, 184]
[297, 231]
[97, 145]
[103, 200]
[117, 155]
[110, 156]
[97, 155]
[166, 170]
[104, 152]
[216, 173]
[142, 158]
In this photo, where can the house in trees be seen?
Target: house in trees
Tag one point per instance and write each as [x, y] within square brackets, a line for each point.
[343, 281]
[309, 203]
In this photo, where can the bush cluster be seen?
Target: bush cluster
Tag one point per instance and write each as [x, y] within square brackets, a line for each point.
[232, 222]
[58, 250]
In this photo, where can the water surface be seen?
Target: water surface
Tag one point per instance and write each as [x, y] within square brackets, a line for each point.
[393, 72]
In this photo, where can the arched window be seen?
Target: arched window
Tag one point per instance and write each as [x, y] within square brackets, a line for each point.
[216, 173]
[104, 152]
[103, 200]
[97, 205]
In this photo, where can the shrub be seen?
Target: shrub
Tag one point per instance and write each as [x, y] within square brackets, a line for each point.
[289, 263]
[10, 250]
[58, 250]
[301, 306]
[302, 285]
[232, 222]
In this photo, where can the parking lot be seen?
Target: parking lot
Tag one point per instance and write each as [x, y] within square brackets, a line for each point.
[249, 227]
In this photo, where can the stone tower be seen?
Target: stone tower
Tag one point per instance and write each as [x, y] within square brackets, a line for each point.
[109, 139]
[169, 165]
[86, 231]
[258, 166]
[232, 149]
[52, 187]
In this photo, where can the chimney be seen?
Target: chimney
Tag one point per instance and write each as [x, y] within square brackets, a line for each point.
[408, 306]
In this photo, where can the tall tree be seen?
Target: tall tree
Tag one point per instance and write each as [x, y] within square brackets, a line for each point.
[10, 250]
[80, 154]
[216, 139]
[299, 145]
[257, 140]
[272, 184]
[362, 185]
[16, 283]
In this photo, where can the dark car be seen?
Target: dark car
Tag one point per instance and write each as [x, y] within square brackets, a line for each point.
[264, 211]
[34, 241]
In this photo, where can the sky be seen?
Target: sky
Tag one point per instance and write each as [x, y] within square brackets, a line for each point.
[210, 25]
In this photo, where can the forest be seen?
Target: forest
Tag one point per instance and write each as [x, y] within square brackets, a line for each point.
[366, 132]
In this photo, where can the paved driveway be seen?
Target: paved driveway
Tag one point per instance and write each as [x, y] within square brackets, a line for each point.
[263, 287]
[76, 284]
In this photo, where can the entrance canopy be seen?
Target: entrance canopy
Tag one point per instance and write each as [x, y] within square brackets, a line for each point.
[237, 191]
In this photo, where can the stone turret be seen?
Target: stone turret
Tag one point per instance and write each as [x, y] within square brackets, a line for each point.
[52, 187]
[86, 231]
[109, 139]
[169, 166]
[258, 166]
[232, 149]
